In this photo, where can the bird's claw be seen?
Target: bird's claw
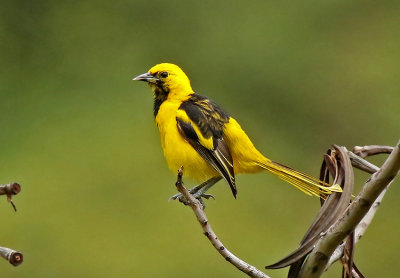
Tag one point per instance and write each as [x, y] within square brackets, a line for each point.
[205, 196]
[176, 196]
[180, 198]
[198, 195]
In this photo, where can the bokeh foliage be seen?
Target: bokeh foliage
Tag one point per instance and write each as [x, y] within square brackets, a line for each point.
[79, 136]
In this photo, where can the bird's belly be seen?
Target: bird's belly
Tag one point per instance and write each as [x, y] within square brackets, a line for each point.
[178, 152]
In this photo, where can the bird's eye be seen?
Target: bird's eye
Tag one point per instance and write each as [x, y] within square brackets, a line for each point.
[164, 74]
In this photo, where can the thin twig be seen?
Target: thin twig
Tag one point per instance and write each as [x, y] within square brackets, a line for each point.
[9, 190]
[362, 164]
[14, 257]
[212, 237]
[348, 255]
[319, 258]
[371, 150]
[356, 272]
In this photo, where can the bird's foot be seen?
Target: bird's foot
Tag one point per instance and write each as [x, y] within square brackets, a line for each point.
[196, 193]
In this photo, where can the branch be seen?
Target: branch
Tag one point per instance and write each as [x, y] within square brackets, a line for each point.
[362, 164]
[368, 167]
[336, 163]
[371, 150]
[360, 229]
[14, 257]
[9, 190]
[319, 258]
[212, 237]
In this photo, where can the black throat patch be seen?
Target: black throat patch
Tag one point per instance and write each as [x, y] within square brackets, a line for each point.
[160, 95]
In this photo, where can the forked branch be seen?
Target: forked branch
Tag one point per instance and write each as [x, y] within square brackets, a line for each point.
[356, 218]
[319, 258]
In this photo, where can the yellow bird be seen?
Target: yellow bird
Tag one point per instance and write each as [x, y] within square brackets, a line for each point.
[199, 135]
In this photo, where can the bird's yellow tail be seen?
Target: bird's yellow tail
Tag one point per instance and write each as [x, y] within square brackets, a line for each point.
[309, 185]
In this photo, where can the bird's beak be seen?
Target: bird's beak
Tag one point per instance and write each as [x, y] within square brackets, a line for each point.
[146, 77]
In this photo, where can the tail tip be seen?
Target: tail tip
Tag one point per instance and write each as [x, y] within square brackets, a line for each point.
[234, 192]
[336, 188]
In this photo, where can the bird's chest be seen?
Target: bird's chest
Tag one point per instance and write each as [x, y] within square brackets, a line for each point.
[166, 122]
[178, 152]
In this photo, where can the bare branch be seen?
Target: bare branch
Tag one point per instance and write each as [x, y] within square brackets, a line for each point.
[362, 164]
[371, 150]
[14, 257]
[9, 190]
[212, 237]
[319, 258]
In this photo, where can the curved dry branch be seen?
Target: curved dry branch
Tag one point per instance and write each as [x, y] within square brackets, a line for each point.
[336, 162]
[319, 258]
[197, 208]
[368, 167]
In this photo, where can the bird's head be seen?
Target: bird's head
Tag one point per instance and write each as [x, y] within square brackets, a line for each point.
[167, 79]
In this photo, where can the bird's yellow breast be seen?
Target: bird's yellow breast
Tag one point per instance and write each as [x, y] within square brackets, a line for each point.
[177, 151]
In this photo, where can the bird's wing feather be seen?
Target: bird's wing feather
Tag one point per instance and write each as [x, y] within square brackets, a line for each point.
[200, 122]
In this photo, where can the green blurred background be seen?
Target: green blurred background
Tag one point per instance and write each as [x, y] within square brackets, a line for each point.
[79, 135]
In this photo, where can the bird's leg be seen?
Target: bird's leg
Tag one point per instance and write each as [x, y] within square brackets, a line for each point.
[199, 191]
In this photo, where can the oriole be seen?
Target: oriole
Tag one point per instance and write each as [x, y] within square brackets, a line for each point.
[199, 135]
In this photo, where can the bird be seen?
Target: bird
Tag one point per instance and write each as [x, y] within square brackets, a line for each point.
[199, 135]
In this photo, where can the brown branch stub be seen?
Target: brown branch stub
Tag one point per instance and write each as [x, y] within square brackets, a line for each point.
[14, 257]
[198, 210]
[10, 190]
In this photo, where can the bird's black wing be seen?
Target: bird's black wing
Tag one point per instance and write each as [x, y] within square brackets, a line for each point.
[201, 123]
